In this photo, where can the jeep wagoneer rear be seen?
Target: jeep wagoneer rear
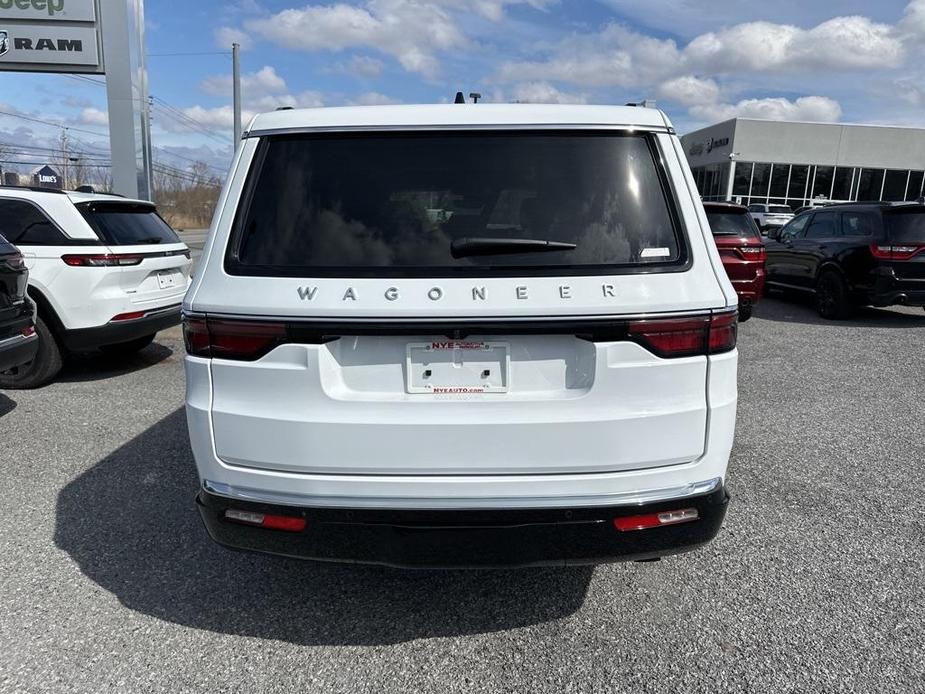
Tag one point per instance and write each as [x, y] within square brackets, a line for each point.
[462, 335]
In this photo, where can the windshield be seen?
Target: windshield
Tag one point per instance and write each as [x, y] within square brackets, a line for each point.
[907, 225]
[732, 223]
[779, 209]
[125, 224]
[389, 204]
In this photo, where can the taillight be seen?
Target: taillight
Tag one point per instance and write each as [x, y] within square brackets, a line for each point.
[132, 315]
[752, 252]
[890, 252]
[229, 339]
[686, 337]
[102, 259]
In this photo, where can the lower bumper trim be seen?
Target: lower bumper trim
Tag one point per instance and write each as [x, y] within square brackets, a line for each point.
[467, 538]
[17, 351]
[123, 331]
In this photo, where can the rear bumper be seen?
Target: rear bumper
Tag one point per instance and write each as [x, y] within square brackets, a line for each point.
[750, 291]
[467, 538]
[17, 350]
[112, 333]
[889, 290]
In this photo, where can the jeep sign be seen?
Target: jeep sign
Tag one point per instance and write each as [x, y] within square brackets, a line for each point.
[59, 10]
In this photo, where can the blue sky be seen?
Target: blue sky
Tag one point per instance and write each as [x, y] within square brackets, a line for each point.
[702, 61]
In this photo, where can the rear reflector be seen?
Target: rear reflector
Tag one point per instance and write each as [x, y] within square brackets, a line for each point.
[228, 339]
[655, 520]
[264, 520]
[28, 332]
[686, 337]
[904, 252]
[133, 315]
[102, 259]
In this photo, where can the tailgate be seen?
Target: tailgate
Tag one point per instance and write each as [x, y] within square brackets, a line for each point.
[562, 403]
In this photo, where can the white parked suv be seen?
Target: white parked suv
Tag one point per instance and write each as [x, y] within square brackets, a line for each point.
[461, 335]
[104, 272]
[770, 216]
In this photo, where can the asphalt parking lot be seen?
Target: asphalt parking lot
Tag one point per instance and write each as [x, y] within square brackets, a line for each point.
[816, 582]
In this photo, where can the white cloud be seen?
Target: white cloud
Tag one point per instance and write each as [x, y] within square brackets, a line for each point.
[615, 56]
[806, 108]
[373, 99]
[365, 66]
[912, 26]
[225, 36]
[94, 116]
[254, 84]
[689, 91]
[545, 93]
[412, 32]
[842, 43]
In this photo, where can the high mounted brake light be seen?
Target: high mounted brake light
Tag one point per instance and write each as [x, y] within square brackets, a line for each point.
[102, 259]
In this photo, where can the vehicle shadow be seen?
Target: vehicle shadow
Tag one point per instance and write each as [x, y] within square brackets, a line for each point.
[131, 525]
[794, 308]
[98, 366]
[7, 405]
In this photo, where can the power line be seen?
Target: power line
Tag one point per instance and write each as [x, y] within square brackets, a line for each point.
[170, 55]
[53, 124]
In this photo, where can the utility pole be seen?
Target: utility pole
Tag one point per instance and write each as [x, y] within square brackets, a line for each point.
[236, 81]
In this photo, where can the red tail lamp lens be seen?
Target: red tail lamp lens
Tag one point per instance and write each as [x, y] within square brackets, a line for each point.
[28, 332]
[686, 337]
[134, 315]
[228, 339]
[290, 524]
[904, 252]
[655, 520]
[102, 259]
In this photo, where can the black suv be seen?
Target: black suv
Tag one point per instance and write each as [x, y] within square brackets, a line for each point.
[18, 340]
[853, 254]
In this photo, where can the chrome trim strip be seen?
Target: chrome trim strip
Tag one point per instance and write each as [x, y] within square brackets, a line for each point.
[634, 498]
[455, 127]
[396, 320]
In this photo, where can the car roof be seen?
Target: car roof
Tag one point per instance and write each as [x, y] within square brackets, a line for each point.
[724, 206]
[75, 197]
[428, 116]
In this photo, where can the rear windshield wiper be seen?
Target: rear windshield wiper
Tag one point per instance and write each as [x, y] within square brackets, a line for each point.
[461, 248]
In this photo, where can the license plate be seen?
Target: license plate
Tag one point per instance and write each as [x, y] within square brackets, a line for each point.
[458, 367]
[169, 280]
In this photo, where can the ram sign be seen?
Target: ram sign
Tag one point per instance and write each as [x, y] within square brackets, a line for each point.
[50, 36]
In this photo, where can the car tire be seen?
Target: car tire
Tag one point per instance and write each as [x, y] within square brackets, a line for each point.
[832, 300]
[745, 312]
[124, 349]
[43, 368]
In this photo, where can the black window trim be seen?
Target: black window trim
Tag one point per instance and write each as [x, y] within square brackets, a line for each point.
[682, 264]
[65, 240]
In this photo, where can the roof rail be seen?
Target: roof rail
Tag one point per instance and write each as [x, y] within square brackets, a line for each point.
[37, 189]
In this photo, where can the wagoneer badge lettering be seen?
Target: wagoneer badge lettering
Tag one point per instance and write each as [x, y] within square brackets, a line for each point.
[436, 293]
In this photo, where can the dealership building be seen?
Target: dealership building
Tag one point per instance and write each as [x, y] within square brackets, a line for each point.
[751, 161]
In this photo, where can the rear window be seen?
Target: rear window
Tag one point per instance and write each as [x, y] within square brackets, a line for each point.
[779, 209]
[388, 205]
[732, 223]
[907, 225]
[122, 224]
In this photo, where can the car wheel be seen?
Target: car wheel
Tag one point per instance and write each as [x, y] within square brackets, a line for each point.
[44, 366]
[832, 301]
[745, 312]
[122, 349]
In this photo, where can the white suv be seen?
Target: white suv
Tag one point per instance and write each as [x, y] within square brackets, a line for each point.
[770, 216]
[461, 335]
[104, 271]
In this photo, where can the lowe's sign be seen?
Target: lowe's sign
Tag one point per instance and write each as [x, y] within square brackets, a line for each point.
[50, 36]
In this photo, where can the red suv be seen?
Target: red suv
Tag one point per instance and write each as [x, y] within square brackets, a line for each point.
[740, 247]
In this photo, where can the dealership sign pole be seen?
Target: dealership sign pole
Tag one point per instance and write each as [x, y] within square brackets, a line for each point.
[103, 37]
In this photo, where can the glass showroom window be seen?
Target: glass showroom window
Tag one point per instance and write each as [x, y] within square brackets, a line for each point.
[894, 187]
[841, 188]
[742, 184]
[780, 177]
[914, 191]
[870, 184]
[761, 178]
[822, 184]
[796, 191]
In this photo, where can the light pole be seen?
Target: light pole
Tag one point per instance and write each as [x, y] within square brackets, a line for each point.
[236, 89]
[732, 175]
